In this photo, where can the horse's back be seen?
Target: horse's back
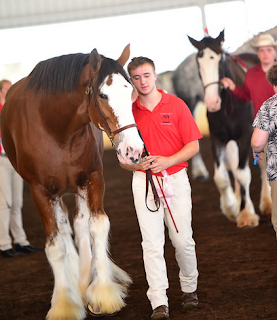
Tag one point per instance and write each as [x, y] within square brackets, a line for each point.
[187, 83]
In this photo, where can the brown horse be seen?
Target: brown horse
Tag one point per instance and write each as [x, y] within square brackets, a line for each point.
[50, 129]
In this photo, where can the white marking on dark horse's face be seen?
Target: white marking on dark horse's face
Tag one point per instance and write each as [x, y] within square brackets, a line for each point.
[119, 92]
[209, 71]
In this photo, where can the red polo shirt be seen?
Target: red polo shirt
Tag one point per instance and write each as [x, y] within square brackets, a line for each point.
[255, 88]
[168, 128]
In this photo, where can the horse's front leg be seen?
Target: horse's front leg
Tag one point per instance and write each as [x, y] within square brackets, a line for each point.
[228, 201]
[66, 300]
[242, 174]
[107, 283]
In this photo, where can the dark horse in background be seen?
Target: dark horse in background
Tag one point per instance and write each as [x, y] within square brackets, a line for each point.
[230, 124]
[50, 130]
[186, 84]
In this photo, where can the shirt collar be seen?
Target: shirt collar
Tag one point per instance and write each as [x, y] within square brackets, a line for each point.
[164, 100]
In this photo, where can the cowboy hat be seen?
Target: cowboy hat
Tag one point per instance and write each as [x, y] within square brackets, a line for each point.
[264, 40]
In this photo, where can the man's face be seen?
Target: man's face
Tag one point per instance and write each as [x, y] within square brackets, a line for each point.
[144, 78]
[5, 88]
[267, 55]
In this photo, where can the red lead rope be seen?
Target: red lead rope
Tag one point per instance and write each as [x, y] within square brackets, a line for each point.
[167, 205]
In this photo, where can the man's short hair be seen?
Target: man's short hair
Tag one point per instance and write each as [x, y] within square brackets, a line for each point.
[271, 75]
[2, 83]
[139, 61]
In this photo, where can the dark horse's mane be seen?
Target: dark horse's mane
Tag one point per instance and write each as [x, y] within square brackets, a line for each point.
[61, 74]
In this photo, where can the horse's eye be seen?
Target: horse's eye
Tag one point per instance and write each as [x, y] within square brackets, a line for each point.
[211, 57]
[200, 54]
[103, 96]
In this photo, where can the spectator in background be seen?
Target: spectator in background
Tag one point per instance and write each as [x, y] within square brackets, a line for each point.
[11, 201]
[256, 87]
[265, 133]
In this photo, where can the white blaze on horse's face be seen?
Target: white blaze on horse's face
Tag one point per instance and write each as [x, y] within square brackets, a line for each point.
[119, 92]
[209, 71]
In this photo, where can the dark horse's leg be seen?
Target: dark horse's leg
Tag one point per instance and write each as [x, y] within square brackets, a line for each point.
[66, 301]
[103, 285]
[237, 206]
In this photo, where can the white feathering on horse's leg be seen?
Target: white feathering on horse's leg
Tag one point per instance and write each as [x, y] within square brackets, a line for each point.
[109, 285]
[229, 204]
[66, 309]
[66, 303]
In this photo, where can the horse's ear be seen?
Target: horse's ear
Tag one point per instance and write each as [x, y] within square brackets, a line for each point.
[221, 38]
[195, 43]
[124, 56]
[95, 60]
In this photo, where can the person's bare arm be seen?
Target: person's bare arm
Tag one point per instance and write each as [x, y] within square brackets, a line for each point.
[259, 139]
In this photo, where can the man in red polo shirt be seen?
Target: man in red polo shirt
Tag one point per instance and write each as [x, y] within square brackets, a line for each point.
[171, 138]
[256, 87]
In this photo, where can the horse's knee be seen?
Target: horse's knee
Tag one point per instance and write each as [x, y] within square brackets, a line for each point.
[55, 249]
[99, 225]
[221, 182]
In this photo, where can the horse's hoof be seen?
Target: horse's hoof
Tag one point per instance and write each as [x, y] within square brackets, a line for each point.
[96, 312]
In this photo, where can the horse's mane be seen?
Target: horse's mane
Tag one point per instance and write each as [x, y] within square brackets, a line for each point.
[61, 74]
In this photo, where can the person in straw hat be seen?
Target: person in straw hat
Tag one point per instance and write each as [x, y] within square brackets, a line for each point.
[256, 87]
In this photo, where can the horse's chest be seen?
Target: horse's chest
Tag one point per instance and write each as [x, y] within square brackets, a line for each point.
[225, 128]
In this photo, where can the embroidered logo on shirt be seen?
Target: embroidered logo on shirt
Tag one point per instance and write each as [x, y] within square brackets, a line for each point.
[166, 119]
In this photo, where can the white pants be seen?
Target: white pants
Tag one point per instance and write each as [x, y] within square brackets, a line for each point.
[153, 237]
[11, 201]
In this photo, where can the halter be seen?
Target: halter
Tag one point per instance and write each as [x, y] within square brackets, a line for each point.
[90, 91]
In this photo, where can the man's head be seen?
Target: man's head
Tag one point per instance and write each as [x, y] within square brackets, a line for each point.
[271, 77]
[139, 61]
[4, 87]
[143, 75]
[264, 40]
[266, 48]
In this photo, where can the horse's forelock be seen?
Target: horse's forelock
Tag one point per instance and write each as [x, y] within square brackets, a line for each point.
[108, 67]
[213, 44]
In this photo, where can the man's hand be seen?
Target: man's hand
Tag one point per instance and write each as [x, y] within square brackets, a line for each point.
[156, 163]
[228, 83]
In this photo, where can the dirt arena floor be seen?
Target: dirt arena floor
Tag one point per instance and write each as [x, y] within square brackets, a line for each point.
[237, 267]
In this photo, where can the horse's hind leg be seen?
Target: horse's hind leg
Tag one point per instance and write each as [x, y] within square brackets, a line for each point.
[199, 170]
[66, 300]
[83, 243]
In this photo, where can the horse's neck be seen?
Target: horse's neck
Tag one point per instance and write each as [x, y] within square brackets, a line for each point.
[235, 71]
[68, 119]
